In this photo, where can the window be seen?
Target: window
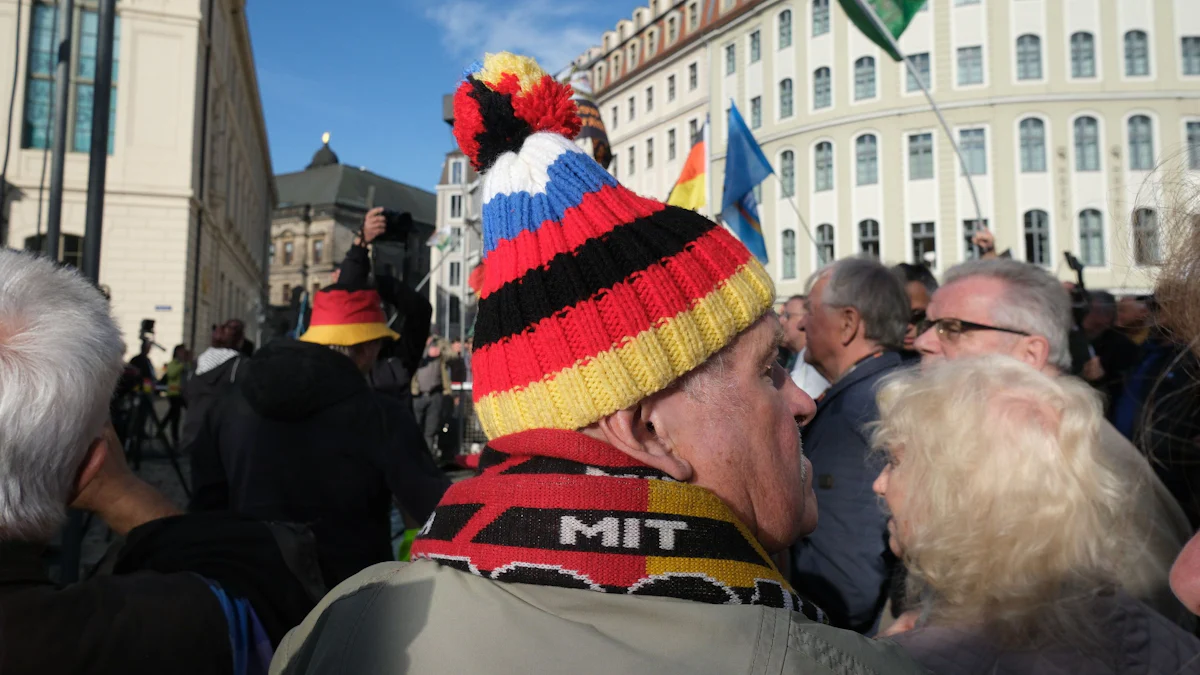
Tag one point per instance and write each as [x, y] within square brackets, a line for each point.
[866, 153]
[1037, 237]
[868, 238]
[632, 108]
[633, 56]
[1137, 54]
[820, 17]
[289, 252]
[730, 59]
[693, 17]
[789, 254]
[318, 251]
[973, 145]
[670, 144]
[970, 65]
[1091, 238]
[787, 172]
[785, 29]
[825, 252]
[1087, 144]
[823, 167]
[615, 165]
[614, 117]
[70, 248]
[670, 88]
[960, 3]
[456, 206]
[970, 227]
[1083, 55]
[920, 63]
[822, 96]
[651, 43]
[1141, 144]
[756, 112]
[456, 173]
[649, 99]
[755, 46]
[672, 30]
[649, 153]
[454, 278]
[37, 126]
[693, 131]
[693, 77]
[616, 67]
[785, 98]
[864, 78]
[757, 193]
[270, 253]
[920, 156]
[1191, 55]
[632, 165]
[1029, 57]
[1033, 145]
[1193, 145]
[1145, 237]
[287, 294]
[923, 242]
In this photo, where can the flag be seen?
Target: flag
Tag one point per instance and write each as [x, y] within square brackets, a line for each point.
[895, 15]
[689, 190]
[745, 167]
[592, 132]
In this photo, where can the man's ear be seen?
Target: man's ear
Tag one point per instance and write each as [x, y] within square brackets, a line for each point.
[93, 461]
[634, 432]
[849, 324]
[1034, 350]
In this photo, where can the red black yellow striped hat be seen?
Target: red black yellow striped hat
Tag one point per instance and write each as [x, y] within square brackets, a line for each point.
[592, 297]
[344, 316]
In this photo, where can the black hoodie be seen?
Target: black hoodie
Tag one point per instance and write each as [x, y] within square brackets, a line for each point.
[303, 439]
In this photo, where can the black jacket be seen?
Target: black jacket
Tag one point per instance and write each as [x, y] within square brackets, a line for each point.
[303, 439]
[203, 392]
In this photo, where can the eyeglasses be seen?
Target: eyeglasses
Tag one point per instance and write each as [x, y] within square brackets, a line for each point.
[952, 329]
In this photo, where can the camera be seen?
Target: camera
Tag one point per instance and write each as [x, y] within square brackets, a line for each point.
[399, 224]
[146, 330]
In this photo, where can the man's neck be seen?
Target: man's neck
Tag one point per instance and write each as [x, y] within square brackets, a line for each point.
[843, 361]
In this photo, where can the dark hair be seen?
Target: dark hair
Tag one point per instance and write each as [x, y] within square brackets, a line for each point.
[176, 350]
[907, 273]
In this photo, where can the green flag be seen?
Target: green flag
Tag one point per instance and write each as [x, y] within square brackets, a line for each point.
[895, 14]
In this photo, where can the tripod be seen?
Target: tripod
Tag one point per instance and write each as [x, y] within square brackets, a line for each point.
[140, 406]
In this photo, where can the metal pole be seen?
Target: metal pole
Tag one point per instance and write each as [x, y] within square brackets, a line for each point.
[887, 34]
[62, 90]
[98, 164]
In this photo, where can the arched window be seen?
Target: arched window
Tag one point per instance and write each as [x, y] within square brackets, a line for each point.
[672, 30]
[786, 105]
[823, 166]
[820, 16]
[1145, 237]
[1029, 57]
[864, 78]
[787, 172]
[789, 254]
[1141, 143]
[825, 252]
[1033, 145]
[1137, 54]
[866, 155]
[633, 55]
[1087, 144]
[289, 252]
[785, 29]
[822, 88]
[1037, 237]
[1091, 238]
[1083, 55]
[868, 238]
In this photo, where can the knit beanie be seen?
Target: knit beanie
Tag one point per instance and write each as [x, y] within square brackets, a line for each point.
[592, 297]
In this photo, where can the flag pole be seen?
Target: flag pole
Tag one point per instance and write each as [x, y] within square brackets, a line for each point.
[792, 200]
[887, 35]
[706, 138]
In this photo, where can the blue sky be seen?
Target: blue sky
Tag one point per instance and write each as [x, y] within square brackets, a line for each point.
[373, 72]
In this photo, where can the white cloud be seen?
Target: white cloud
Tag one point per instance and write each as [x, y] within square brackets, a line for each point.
[553, 32]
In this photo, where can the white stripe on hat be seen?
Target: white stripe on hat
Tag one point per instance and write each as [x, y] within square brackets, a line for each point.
[528, 171]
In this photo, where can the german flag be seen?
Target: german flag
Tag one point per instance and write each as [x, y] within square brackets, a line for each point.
[688, 192]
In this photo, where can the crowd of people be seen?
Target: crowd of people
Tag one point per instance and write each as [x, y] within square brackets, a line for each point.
[884, 475]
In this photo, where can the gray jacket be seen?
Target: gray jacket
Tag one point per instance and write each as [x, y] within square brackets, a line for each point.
[427, 618]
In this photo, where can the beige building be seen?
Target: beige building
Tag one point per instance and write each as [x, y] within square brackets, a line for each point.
[1072, 116]
[189, 190]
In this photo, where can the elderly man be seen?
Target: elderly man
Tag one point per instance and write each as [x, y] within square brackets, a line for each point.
[645, 455]
[1014, 308]
[229, 581]
[803, 373]
[858, 313]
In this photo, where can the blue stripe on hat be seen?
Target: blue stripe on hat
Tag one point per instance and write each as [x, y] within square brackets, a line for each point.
[572, 175]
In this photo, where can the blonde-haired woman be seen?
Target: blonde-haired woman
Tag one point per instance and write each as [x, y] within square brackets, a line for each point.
[1003, 511]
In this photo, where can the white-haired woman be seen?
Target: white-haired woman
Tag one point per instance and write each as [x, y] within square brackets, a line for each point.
[1003, 510]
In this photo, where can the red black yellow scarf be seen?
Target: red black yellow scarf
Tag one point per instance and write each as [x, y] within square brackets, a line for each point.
[557, 508]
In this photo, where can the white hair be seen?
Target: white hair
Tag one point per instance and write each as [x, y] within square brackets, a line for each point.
[1035, 302]
[60, 356]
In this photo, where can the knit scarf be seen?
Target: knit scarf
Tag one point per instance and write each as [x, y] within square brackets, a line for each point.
[558, 508]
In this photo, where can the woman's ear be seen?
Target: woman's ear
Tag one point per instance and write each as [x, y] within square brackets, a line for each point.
[635, 433]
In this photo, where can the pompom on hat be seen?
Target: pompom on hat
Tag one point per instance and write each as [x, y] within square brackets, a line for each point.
[592, 298]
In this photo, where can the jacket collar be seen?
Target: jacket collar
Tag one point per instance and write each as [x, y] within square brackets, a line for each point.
[860, 371]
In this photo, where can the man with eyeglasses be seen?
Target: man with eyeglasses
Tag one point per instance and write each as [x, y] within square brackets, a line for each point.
[1002, 306]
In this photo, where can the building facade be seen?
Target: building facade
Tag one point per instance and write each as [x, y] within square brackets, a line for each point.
[1077, 120]
[459, 249]
[189, 190]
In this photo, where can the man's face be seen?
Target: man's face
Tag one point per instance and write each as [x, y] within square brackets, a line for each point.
[741, 436]
[968, 299]
[1131, 313]
[821, 327]
[918, 302]
[793, 325]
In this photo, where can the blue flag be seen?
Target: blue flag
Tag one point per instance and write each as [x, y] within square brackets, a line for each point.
[745, 167]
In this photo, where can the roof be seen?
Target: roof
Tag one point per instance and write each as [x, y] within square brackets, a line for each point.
[468, 176]
[341, 185]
